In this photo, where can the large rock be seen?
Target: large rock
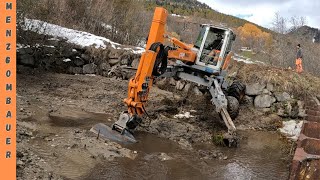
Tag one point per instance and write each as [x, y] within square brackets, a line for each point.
[301, 110]
[75, 70]
[282, 96]
[264, 101]
[114, 62]
[135, 63]
[27, 60]
[78, 61]
[161, 82]
[23, 51]
[48, 49]
[180, 85]
[187, 87]
[105, 67]
[89, 68]
[197, 91]
[85, 57]
[270, 87]
[172, 82]
[254, 89]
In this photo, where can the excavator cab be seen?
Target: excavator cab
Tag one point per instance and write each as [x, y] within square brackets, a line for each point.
[214, 47]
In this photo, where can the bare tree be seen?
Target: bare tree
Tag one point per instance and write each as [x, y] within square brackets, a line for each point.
[297, 22]
[279, 24]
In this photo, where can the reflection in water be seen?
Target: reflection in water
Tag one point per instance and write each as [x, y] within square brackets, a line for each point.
[236, 171]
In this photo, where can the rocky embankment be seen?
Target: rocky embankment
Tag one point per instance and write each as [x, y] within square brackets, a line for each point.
[58, 56]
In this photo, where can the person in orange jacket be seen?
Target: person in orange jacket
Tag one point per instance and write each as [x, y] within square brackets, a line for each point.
[299, 68]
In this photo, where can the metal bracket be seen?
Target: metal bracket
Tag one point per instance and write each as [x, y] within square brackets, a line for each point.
[218, 98]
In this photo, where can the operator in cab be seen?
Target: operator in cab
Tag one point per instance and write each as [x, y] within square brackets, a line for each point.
[215, 48]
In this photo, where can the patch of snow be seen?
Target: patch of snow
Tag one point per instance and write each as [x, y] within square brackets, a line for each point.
[81, 38]
[243, 60]
[48, 46]
[67, 60]
[107, 26]
[177, 15]
[185, 115]
[74, 50]
[291, 129]
[240, 58]
[20, 46]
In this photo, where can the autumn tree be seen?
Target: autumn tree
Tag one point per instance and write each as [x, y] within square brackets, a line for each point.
[253, 37]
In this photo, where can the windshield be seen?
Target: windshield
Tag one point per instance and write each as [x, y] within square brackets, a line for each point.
[200, 38]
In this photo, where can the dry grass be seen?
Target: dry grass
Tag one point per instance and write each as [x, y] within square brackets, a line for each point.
[299, 85]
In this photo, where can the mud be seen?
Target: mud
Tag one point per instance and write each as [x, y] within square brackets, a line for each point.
[56, 112]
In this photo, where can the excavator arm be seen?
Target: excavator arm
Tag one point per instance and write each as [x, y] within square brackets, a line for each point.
[152, 63]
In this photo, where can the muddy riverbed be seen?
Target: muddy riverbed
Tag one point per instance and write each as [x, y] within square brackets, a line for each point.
[56, 112]
[258, 157]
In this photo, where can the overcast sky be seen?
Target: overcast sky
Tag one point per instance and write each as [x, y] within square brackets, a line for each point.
[262, 11]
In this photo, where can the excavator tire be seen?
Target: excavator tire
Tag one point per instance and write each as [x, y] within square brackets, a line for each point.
[233, 107]
[237, 90]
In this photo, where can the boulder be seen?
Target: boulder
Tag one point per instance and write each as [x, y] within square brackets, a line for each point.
[114, 62]
[187, 87]
[89, 68]
[23, 51]
[282, 96]
[197, 91]
[27, 60]
[135, 63]
[264, 101]
[161, 82]
[266, 91]
[180, 85]
[254, 89]
[270, 87]
[104, 66]
[75, 70]
[172, 82]
[48, 49]
[78, 61]
[301, 109]
[85, 57]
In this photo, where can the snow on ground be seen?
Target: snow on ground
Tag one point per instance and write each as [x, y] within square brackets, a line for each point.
[80, 38]
[291, 129]
[186, 115]
[240, 58]
[177, 15]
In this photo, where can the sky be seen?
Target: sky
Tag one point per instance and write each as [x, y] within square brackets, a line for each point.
[262, 12]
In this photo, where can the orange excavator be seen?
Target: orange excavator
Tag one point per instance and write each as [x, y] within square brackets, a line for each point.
[204, 63]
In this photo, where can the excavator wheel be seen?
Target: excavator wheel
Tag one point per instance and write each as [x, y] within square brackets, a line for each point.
[237, 90]
[233, 107]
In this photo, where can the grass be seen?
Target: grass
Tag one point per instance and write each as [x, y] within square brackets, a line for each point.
[247, 54]
[217, 139]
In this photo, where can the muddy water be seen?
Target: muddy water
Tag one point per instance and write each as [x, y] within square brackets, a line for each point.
[258, 157]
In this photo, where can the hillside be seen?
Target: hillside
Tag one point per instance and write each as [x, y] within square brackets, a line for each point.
[307, 33]
[196, 8]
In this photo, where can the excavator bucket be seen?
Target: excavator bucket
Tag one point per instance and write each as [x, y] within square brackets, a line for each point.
[107, 133]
